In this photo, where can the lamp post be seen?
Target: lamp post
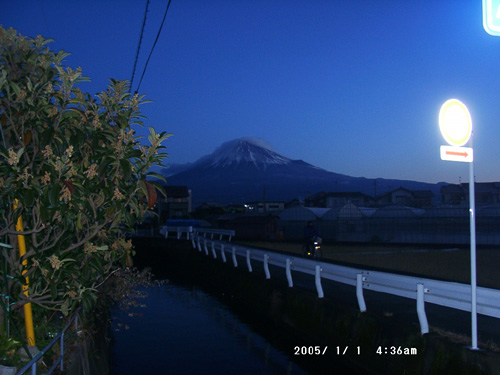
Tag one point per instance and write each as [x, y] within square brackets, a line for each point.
[455, 124]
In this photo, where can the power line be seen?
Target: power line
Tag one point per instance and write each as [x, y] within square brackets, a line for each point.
[139, 46]
[152, 48]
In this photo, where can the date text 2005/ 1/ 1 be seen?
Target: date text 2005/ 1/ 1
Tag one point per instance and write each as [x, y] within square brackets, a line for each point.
[318, 350]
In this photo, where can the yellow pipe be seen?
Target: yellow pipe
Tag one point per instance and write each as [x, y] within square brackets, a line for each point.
[28, 314]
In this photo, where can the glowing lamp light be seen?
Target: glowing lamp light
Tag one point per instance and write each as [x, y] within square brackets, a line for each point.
[455, 122]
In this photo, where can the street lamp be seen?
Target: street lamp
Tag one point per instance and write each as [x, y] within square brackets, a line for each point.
[455, 124]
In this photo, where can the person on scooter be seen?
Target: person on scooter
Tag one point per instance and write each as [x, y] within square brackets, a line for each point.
[310, 233]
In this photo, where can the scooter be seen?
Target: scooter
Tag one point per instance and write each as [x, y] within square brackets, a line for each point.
[313, 249]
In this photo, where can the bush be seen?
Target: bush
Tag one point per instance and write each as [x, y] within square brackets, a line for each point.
[72, 168]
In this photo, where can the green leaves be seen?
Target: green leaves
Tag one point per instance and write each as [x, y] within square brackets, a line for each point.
[76, 168]
[126, 168]
[28, 198]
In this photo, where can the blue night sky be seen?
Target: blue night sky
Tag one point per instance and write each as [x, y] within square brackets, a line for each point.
[354, 87]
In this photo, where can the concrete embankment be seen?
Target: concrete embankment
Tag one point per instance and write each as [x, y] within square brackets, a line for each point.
[379, 341]
[91, 354]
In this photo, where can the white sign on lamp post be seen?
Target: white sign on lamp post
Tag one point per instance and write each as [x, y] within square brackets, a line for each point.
[491, 17]
[455, 124]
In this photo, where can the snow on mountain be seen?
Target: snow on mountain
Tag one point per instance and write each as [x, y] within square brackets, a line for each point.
[243, 150]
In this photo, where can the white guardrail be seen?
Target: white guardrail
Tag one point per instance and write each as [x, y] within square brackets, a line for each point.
[186, 232]
[444, 293]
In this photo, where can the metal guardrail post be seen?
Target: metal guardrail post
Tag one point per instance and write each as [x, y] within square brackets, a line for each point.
[192, 240]
[249, 265]
[319, 288]
[266, 266]
[212, 233]
[205, 246]
[289, 272]
[235, 262]
[222, 253]
[213, 250]
[424, 326]
[359, 292]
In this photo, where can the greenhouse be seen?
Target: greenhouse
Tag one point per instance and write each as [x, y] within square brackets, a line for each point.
[350, 222]
[292, 221]
[488, 224]
[396, 224]
[446, 224]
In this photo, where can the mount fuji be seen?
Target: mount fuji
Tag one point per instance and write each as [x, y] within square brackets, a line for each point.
[247, 169]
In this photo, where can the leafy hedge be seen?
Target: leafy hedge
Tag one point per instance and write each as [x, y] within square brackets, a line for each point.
[72, 167]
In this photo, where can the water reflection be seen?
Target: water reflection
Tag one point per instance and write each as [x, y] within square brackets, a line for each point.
[183, 330]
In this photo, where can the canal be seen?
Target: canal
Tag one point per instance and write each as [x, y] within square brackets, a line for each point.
[184, 330]
[186, 327]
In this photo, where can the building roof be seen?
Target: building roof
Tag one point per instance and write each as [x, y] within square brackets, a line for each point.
[389, 193]
[318, 211]
[302, 213]
[348, 194]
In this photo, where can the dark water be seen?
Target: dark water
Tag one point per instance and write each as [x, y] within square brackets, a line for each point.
[183, 330]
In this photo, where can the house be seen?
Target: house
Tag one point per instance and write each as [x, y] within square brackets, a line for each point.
[338, 199]
[399, 196]
[177, 204]
[422, 198]
[235, 208]
[485, 193]
[405, 197]
[264, 207]
[296, 202]
[452, 194]
[316, 200]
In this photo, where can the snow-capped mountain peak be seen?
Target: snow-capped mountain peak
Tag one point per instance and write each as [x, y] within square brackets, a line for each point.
[244, 150]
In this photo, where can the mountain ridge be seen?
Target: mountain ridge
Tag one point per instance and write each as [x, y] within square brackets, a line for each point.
[247, 169]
